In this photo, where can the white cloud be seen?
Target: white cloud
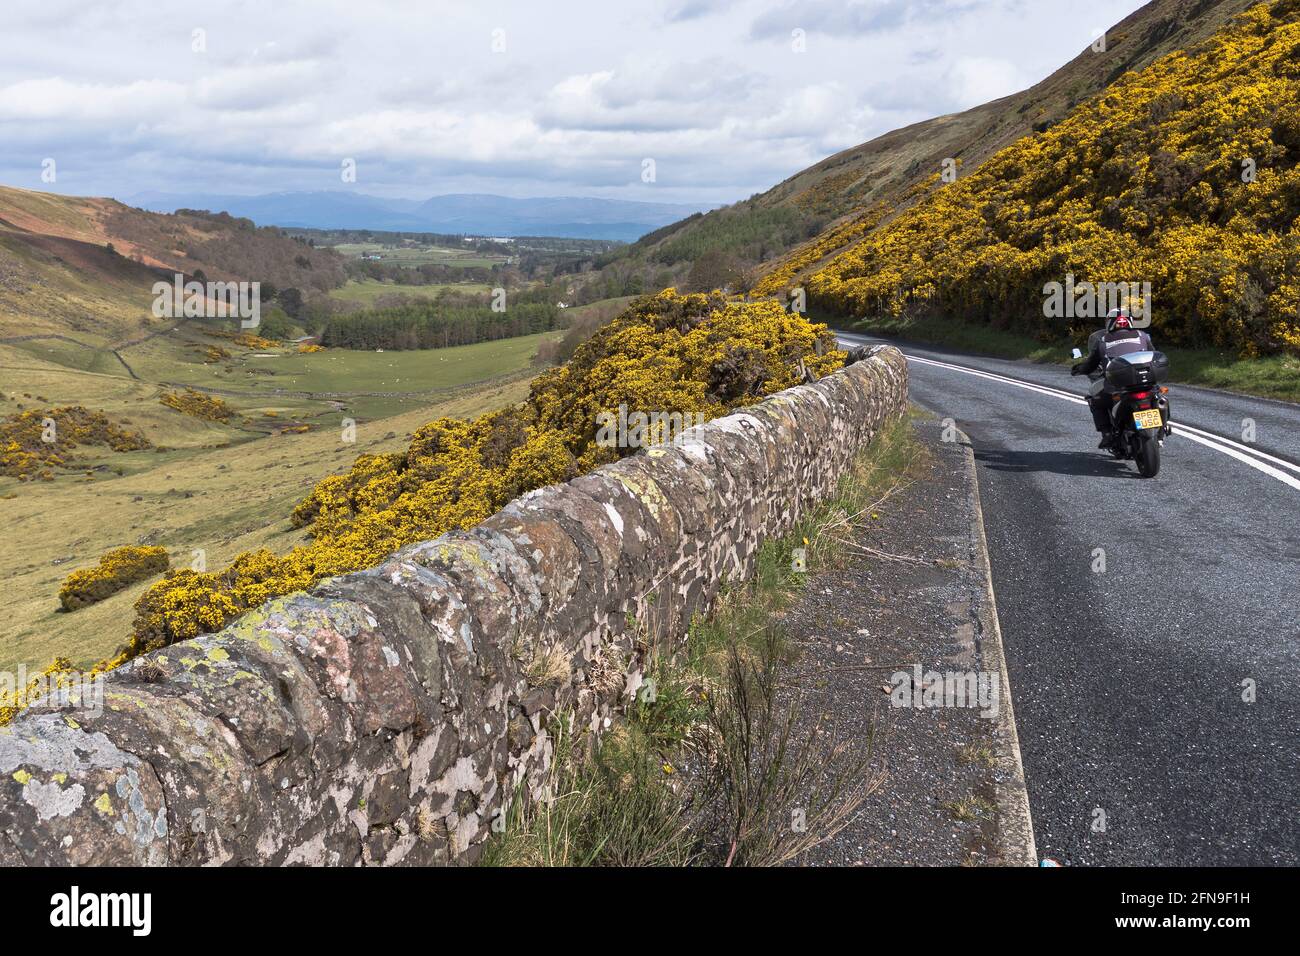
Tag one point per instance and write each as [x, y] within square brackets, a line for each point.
[711, 89]
[57, 99]
[973, 80]
[257, 85]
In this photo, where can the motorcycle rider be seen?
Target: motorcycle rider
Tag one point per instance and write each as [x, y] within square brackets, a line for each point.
[1118, 338]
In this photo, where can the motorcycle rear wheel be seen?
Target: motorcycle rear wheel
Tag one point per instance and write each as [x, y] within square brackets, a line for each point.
[1148, 455]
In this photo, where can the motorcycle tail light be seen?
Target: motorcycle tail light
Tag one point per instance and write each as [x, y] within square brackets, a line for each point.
[1141, 394]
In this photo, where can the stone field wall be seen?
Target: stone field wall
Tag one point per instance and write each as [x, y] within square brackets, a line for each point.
[386, 716]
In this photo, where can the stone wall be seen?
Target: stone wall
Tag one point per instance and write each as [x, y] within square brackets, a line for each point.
[386, 716]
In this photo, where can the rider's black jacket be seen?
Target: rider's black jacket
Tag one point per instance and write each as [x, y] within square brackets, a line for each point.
[1104, 346]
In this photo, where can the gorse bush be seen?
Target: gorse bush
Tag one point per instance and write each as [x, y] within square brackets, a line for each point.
[806, 255]
[250, 340]
[692, 354]
[1183, 175]
[13, 698]
[199, 404]
[583, 323]
[118, 569]
[35, 442]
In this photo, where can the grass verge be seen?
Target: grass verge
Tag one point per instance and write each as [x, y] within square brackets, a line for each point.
[713, 764]
[1277, 376]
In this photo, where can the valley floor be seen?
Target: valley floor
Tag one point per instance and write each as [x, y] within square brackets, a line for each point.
[207, 489]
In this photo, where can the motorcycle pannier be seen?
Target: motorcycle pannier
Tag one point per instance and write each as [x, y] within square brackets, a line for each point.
[1160, 366]
[1122, 374]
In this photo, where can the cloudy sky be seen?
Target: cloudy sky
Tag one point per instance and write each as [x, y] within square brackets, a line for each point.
[521, 98]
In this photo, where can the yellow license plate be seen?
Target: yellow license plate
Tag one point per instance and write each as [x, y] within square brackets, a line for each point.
[1148, 419]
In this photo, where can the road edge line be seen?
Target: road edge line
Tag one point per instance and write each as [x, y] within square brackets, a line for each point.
[1015, 821]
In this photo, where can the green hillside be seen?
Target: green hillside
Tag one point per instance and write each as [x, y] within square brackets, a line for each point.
[86, 267]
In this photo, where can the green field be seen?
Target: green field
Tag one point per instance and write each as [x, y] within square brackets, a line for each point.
[378, 384]
[292, 384]
[422, 370]
[220, 488]
[305, 386]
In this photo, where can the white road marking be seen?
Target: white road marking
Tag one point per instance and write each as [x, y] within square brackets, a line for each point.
[1232, 452]
[1190, 431]
[1227, 446]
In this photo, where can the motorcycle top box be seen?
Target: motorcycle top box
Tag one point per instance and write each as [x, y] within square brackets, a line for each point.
[1137, 369]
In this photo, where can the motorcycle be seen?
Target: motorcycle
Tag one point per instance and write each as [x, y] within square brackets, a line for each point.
[1139, 411]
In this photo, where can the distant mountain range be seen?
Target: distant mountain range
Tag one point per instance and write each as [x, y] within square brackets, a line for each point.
[479, 215]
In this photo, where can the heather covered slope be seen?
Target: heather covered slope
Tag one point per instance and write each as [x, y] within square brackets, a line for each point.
[85, 267]
[878, 177]
[1183, 175]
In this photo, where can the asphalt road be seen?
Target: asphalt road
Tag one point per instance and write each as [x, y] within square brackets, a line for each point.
[1128, 682]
